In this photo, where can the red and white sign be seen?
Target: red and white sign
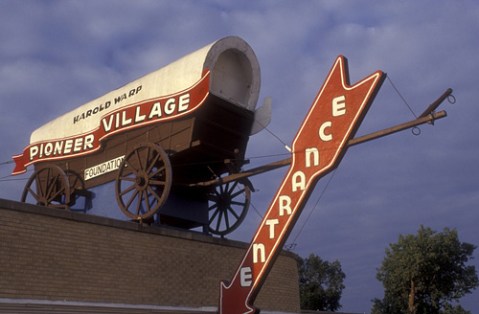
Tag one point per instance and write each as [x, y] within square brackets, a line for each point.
[318, 147]
[125, 118]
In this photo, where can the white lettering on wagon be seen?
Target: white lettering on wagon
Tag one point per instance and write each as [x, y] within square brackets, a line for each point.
[103, 106]
[137, 115]
[143, 113]
[62, 147]
[104, 167]
[122, 119]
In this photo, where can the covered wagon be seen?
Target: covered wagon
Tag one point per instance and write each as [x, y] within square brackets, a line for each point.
[162, 139]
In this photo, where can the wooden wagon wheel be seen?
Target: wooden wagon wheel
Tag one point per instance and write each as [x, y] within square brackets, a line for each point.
[74, 181]
[228, 206]
[144, 181]
[52, 188]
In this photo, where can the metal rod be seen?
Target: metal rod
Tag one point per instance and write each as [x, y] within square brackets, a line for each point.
[428, 116]
[378, 134]
[436, 104]
[245, 174]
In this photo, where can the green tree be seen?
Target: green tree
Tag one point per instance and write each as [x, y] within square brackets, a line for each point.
[426, 273]
[320, 284]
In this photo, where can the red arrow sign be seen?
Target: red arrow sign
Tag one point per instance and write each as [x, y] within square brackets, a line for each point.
[321, 142]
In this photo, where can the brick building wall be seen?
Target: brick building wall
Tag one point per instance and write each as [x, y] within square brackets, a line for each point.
[48, 254]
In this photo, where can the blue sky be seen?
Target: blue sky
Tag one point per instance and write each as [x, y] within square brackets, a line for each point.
[57, 55]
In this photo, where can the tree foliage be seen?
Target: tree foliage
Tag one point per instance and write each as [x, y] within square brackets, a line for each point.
[320, 284]
[426, 273]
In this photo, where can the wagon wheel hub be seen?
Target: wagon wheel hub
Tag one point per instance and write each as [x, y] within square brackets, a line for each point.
[141, 181]
[42, 201]
[224, 201]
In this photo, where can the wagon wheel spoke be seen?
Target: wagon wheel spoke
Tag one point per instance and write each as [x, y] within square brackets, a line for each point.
[127, 190]
[237, 193]
[39, 184]
[236, 203]
[232, 188]
[138, 158]
[55, 194]
[152, 198]
[74, 180]
[33, 193]
[214, 202]
[48, 175]
[43, 181]
[128, 178]
[228, 206]
[227, 220]
[154, 194]
[157, 182]
[77, 190]
[147, 199]
[132, 198]
[146, 173]
[52, 189]
[131, 166]
[152, 163]
[158, 172]
[215, 213]
[214, 199]
[218, 222]
[139, 201]
[233, 212]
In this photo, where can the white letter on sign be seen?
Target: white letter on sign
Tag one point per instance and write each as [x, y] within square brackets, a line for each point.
[33, 152]
[312, 154]
[184, 102]
[298, 181]
[139, 117]
[258, 248]
[271, 223]
[339, 106]
[245, 277]
[323, 136]
[284, 205]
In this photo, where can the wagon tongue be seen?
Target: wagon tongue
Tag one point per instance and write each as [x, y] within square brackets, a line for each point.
[318, 147]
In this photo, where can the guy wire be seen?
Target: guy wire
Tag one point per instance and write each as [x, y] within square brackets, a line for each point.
[401, 96]
[293, 243]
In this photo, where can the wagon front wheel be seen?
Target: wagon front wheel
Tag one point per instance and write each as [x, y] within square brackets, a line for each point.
[48, 186]
[143, 182]
[228, 205]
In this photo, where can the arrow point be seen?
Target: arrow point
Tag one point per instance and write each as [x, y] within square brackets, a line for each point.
[233, 301]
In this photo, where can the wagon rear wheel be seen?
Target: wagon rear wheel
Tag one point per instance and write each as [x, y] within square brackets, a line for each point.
[78, 191]
[228, 205]
[143, 182]
[48, 186]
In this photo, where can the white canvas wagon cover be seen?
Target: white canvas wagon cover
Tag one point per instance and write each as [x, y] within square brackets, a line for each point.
[227, 68]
